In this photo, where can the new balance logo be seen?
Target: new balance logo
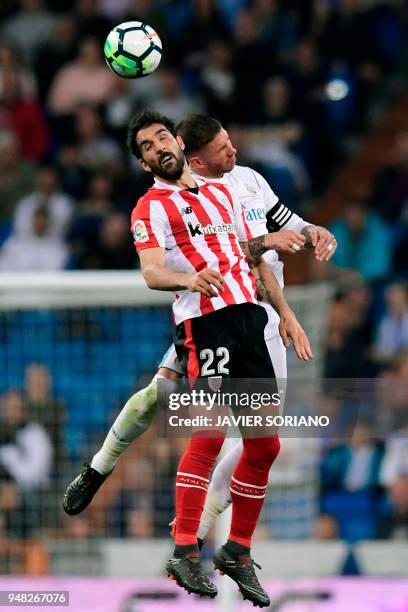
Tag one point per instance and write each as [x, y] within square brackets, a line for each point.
[186, 211]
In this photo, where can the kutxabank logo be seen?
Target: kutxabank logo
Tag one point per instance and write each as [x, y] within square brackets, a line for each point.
[205, 230]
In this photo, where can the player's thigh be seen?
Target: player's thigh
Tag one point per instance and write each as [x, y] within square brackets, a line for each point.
[253, 359]
[170, 361]
[260, 423]
[255, 377]
[205, 345]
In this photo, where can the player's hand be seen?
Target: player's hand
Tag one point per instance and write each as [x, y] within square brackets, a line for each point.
[208, 282]
[289, 327]
[323, 242]
[286, 241]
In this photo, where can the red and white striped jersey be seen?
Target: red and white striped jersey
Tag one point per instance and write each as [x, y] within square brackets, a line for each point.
[199, 229]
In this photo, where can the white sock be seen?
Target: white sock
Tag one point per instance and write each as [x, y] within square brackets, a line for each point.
[218, 495]
[133, 420]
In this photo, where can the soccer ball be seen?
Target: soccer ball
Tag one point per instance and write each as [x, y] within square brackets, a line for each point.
[133, 49]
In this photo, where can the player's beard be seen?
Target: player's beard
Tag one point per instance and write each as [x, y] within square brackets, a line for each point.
[174, 170]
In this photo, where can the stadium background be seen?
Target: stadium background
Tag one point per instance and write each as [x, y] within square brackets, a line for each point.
[314, 96]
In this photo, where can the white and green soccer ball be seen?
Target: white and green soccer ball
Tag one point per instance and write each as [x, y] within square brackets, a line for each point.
[133, 49]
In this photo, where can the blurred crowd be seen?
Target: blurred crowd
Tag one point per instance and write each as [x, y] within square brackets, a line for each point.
[291, 81]
[278, 75]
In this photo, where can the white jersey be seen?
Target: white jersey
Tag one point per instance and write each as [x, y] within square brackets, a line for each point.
[263, 213]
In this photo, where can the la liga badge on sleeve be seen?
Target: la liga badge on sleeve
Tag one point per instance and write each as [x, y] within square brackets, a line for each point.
[140, 232]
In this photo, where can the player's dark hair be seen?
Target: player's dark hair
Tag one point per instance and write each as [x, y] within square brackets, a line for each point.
[197, 131]
[143, 120]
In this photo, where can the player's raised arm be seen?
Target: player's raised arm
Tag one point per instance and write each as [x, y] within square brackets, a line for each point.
[287, 227]
[287, 242]
[290, 241]
[159, 276]
[255, 247]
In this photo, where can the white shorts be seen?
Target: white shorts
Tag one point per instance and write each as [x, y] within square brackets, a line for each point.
[276, 348]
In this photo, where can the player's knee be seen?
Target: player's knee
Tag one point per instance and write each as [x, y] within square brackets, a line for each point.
[269, 449]
[262, 450]
[143, 400]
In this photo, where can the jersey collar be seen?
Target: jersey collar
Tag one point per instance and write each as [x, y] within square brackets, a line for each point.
[162, 185]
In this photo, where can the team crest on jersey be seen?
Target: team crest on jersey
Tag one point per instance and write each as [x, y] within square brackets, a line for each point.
[250, 188]
[215, 382]
[140, 232]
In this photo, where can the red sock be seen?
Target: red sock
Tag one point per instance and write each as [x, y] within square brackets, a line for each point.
[248, 486]
[192, 483]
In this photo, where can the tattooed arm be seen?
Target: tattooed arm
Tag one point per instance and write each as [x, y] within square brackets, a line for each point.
[287, 241]
[270, 292]
[268, 288]
[253, 250]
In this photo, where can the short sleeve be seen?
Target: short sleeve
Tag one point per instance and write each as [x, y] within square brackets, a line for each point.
[148, 225]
